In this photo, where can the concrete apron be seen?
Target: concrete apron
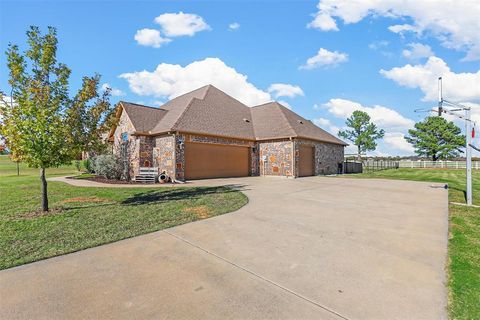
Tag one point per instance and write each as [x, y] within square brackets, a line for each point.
[309, 248]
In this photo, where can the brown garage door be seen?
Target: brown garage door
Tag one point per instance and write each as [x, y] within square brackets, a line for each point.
[215, 161]
[306, 161]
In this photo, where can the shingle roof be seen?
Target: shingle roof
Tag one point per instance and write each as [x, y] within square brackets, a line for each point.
[210, 111]
[176, 108]
[217, 114]
[274, 120]
[143, 118]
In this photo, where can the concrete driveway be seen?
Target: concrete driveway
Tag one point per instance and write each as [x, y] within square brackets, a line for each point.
[310, 248]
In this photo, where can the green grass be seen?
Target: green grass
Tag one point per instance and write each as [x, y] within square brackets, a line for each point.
[464, 241]
[9, 168]
[86, 217]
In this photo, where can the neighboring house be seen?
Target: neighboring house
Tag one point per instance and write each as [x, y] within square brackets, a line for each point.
[208, 134]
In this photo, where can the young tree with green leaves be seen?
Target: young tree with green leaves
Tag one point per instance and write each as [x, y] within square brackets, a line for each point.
[436, 138]
[89, 116]
[44, 128]
[363, 132]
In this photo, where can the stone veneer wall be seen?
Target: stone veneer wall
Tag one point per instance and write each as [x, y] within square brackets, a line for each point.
[164, 154]
[180, 140]
[146, 151]
[167, 153]
[327, 156]
[125, 125]
[278, 157]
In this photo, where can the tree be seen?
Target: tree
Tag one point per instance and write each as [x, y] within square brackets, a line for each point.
[37, 128]
[436, 138]
[89, 117]
[363, 133]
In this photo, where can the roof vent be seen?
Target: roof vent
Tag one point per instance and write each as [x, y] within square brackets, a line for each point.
[300, 121]
[246, 120]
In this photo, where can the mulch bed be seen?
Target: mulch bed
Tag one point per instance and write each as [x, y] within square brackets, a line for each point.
[109, 181]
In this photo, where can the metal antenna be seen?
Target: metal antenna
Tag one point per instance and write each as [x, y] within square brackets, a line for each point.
[468, 134]
[440, 97]
[468, 131]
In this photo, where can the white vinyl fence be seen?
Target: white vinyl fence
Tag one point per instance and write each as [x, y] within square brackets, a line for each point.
[437, 164]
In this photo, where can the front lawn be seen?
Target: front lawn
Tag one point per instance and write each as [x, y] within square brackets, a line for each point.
[464, 241]
[86, 217]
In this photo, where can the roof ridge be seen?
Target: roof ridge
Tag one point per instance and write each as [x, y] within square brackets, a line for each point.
[280, 107]
[142, 105]
[184, 111]
[209, 86]
[263, 104]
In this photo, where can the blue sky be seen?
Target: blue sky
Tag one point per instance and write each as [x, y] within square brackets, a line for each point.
[323, 59]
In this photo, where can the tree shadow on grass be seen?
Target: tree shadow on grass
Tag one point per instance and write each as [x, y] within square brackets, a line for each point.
[163, 195]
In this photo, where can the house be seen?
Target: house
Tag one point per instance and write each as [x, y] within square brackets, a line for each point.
[209, 134]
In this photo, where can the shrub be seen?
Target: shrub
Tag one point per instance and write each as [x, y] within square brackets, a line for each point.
[88, 164]
[107, 165]
[78, 165]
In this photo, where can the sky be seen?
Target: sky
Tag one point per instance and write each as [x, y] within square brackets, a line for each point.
[323, 59]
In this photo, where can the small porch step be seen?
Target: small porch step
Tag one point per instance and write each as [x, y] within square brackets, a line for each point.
[147, 175]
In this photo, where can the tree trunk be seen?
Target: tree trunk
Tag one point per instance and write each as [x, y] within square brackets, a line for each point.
[359, 157]
[44, 190]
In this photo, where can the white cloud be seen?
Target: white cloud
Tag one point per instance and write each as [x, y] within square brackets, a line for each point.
[403, 28]
[454, 23]
[398, 142]
[285, 90]
[474, 113]
[394, 124]
[417, 51]
[181, 24]
[323, 22]
[234, 26]
[285, 104]
[171, 80]
[150, 38]
[383, 117]
[325, 58]
[326, 124]
[456, 86]
[113, 91]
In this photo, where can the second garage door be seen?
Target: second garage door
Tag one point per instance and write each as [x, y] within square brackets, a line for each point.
[215, 161]
[306, 161]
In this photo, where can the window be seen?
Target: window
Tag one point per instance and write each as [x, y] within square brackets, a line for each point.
[124, 136]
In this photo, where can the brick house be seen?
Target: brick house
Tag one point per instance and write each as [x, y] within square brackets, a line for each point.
[208, 134]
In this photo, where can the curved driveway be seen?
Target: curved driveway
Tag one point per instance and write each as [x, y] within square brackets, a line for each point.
[309, 248]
